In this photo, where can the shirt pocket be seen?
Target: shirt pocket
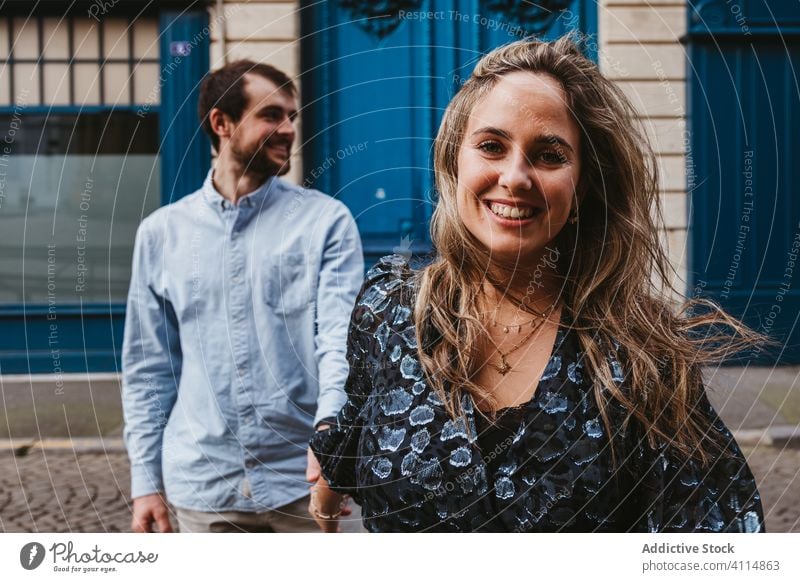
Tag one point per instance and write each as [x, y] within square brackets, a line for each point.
[288, 283]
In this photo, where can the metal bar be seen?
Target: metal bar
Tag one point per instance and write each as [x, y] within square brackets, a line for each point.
[40, 31]
[13, 95]
[73, 109]
[77, 61]
[71, 49]
[101, 60]
[131, 23]
[11, 310]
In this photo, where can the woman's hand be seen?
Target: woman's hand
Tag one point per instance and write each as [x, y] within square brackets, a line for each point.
[326, 506]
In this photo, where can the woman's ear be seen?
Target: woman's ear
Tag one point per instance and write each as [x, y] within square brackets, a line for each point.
[581, 191]
[578, 201]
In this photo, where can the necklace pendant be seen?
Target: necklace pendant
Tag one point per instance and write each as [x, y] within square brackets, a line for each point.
[503, 368]
[505, 329]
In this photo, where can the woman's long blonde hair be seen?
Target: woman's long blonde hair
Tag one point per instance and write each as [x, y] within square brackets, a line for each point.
[616, 283]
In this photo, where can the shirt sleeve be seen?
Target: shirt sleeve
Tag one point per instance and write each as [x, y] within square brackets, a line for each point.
[685, 496]
[151, 367]
[341, 275]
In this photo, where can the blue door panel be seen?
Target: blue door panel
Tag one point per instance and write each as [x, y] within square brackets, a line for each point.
[744, 111]
[74, 342]
[372, 102]
[185, 149]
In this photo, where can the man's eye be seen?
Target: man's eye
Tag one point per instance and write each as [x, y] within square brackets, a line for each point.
[490, 147]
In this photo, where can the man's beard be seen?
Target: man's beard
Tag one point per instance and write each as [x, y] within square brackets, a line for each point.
[256, 161]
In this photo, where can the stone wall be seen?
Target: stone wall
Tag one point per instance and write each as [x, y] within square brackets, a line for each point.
[640, 49]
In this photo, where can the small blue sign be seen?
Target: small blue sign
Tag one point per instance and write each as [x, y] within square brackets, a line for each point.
[180, 48]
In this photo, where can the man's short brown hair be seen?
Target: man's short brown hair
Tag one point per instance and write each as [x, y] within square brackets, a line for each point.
[224, 89]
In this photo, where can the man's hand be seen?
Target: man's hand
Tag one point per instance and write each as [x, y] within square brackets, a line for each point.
[149, 509]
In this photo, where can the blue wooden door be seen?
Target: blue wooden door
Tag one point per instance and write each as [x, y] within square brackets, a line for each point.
[743, 171]
[376, 79]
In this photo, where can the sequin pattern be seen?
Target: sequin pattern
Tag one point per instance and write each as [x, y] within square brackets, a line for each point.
[544, 466]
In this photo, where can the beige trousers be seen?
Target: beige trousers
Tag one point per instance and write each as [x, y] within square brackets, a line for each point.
[291, 518]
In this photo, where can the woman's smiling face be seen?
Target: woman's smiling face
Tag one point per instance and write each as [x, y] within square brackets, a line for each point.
[518, 167]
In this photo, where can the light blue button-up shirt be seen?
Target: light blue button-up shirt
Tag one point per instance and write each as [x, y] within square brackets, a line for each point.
[235, 339]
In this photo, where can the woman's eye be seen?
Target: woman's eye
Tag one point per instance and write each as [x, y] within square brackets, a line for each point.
[553, 157]
[490, 147]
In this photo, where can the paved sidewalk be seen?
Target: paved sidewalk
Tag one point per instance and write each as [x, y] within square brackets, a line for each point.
[58, 489]
[53, 488]
[757, 398]
[53, 483]
[777, 471]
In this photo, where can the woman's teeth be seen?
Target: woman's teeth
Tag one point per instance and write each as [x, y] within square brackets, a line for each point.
[510, 211]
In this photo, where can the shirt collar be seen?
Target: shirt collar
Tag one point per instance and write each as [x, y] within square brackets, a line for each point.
[252, 199]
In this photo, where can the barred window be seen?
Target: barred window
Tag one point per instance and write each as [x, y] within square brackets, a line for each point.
[79, 154]
[79, 61]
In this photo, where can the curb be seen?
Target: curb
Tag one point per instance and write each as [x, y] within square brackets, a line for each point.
[775, 436]
[785, 435]
[78, 445]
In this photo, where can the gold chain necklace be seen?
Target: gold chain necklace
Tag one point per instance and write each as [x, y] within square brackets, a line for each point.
[504, 367]
[509, 326]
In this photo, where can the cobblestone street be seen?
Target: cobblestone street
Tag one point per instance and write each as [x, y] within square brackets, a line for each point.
[60, 491]
[777, 470]
[65, 491]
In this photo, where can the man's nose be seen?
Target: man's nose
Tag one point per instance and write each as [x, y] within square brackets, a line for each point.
[286, 127]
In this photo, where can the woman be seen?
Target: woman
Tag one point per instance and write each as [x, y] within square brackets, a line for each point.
[532, 378]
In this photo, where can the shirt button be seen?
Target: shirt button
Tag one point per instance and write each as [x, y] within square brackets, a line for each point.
[236, 279]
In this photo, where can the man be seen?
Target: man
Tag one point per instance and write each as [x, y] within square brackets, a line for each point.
[236, 325]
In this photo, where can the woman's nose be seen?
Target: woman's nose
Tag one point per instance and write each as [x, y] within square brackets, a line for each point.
[517, 174]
